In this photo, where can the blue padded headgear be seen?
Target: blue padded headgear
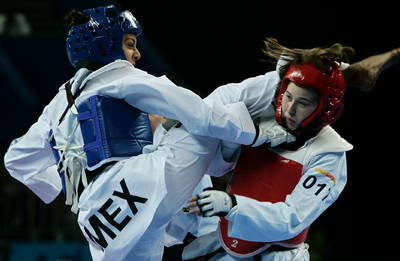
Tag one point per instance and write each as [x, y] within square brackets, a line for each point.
[99, 38]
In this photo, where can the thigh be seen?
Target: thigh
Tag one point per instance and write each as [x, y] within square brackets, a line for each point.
[188, 157]
[150, 247]
[116, 209]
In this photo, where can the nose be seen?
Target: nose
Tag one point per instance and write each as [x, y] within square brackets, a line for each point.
[291, 110]
[137, 55]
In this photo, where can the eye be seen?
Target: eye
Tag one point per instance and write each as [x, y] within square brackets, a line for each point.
[287, 96]
[130, 44]
[305, 103]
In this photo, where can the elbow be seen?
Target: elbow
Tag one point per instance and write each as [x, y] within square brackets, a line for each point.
[285, 231]
[292, 231]
[11, 164]
[292, 223]
[8, 162]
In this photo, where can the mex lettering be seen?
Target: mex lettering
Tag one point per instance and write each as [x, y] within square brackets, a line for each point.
[99, 227]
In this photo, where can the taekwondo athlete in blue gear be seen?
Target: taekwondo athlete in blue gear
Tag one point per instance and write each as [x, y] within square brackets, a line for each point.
[106, 138]
[123, 211]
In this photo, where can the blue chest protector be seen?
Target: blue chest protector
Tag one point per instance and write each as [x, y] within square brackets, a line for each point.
[112, 130]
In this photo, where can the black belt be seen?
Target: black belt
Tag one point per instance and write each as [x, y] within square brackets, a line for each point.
[91, 174]
[278, 248]
[273, 248]
[257, 257]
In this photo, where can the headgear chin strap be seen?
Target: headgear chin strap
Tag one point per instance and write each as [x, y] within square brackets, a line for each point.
[330, 86]
[99, 38]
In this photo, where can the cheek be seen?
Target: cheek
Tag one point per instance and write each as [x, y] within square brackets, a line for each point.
[128, 54]
[126, 51]
[306, 112]
[284, 105]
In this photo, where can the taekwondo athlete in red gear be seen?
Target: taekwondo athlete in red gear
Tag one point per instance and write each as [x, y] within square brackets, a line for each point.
[276, 193]
[249, 91]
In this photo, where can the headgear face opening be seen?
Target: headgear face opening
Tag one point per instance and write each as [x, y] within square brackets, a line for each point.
[330, 86]
[99, 38]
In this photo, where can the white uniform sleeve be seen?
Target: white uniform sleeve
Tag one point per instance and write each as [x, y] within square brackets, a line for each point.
[29, 159]
[160, 96]
[227, 153]
[256, 93]
[317, 189]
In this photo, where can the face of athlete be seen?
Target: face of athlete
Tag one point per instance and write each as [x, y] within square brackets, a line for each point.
[132, 54]
[297, 104]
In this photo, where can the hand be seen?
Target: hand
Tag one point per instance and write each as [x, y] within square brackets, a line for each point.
[271, 132]
[155, 120]
[211, 203]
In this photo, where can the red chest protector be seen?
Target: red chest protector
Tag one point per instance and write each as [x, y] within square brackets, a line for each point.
[265, 176]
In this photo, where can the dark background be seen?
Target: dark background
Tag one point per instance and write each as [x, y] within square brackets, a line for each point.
[201, 45]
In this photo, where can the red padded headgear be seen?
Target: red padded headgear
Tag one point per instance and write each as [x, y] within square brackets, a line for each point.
[330, 87]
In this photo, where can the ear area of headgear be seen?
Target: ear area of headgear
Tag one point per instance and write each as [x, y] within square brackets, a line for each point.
[335, 89]
[98, 38]
[278, 101]
[129, 23]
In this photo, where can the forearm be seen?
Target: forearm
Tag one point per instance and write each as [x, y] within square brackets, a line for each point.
[253, 220]
[29, 159]
[46, 184]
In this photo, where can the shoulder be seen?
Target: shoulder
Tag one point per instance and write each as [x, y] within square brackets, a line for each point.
[117, 71]
[328, 140]
[118, 66]
[328, 149]
[327, 146]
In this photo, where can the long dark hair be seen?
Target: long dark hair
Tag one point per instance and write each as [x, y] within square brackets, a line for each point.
[73, 17]
[321, 57]
[76, 17]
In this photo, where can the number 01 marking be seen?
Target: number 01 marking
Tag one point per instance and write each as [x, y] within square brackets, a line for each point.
[310, 181]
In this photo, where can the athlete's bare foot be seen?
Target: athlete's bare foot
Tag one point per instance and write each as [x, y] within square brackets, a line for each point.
[364, 74]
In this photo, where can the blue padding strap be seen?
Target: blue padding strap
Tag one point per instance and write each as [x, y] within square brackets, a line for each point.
[56, 154]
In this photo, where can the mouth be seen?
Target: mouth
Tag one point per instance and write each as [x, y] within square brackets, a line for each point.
[290, 122]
